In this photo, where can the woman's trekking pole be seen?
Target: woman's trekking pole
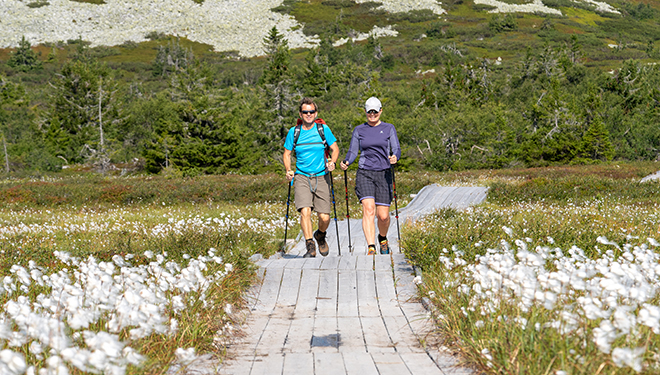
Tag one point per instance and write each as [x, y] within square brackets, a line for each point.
[332, 188]
[286, 221]
[396, 208]
[348, 216]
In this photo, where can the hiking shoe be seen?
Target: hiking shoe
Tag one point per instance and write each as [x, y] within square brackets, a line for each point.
[371, 250]
[311, 249]
[384, 247]
[320, 239]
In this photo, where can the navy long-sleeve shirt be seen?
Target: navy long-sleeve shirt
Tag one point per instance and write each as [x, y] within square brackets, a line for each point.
[375, 143]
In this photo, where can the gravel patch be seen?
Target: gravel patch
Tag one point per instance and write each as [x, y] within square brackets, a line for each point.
[226, 25]
[395, 6]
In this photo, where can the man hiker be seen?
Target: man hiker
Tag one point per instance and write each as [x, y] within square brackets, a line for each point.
[311, 139]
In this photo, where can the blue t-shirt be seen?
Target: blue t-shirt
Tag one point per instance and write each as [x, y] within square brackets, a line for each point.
[310, 154]
[376, 143]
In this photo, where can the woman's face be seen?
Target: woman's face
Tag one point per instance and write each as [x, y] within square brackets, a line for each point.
[373, 117]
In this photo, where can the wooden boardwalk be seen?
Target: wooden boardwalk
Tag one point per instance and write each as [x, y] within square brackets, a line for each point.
[348, 314]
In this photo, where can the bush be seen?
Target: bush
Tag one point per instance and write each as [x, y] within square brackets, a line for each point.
[499, 24]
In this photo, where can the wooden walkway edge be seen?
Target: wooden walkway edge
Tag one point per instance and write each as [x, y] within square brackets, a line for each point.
[348, 314]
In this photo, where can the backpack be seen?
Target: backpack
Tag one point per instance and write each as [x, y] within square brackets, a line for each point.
[319, 127]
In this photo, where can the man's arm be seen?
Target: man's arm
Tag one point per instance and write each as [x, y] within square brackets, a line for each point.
[286, 158]
[334, 155]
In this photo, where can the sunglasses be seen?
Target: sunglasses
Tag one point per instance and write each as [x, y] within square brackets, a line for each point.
[372, 112]
[308, 112]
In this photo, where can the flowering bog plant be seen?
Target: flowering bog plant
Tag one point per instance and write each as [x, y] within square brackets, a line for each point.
[116, 290]
[545, 288]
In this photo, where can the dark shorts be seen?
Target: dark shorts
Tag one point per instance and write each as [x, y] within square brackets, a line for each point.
[374, 184]
[313, 192]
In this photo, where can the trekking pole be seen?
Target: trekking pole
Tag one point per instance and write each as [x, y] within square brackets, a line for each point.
[396, 208]
[332, 188]
[348, 216]
[286, 221]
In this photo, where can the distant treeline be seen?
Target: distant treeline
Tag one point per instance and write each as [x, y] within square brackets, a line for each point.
[198, 117]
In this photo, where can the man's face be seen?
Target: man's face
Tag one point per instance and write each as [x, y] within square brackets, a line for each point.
[308, 113]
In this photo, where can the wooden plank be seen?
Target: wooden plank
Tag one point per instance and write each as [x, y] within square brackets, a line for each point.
[274, 337]
[350, 334]
[365, 262]
[347, 262]
[383, 262]
[421, 363]
[343, 237]
[329, 364]
[402, 335]
[326, 304]
[387, 299]
[289, 289]
[367, 297]
[347, 297]
[298, 363]
[325, 338]
[313, 263]
[375, 335]
[269, 290]
[295, 263]
[264, 365]
[330, 262]
[309, 286]
[357, 235]
[279, 263]
[390, 364]
[359, 363]
[237, 366]
[300, 335]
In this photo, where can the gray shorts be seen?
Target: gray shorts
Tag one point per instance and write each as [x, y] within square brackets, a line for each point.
[376, 185]
[313, 192]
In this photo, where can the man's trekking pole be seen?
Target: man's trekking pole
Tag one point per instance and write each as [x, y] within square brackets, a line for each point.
[348, 216]
[396, 208]
[286, 221]
[332, 188]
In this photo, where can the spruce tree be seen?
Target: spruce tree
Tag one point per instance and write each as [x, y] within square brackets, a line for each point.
[596, 143]
[24, 58]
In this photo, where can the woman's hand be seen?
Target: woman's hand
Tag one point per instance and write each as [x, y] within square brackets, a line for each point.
[343, 165]
[393, 159]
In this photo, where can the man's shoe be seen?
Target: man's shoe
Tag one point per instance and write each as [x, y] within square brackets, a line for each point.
[311, 249]
[384, 247]
[323, 245]
[371, 250]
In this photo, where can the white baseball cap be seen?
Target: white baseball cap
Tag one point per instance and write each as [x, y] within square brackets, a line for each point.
[373, 104]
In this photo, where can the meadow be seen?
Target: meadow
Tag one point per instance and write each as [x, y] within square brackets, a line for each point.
[126, 275]
[557, 273]
[103, 274]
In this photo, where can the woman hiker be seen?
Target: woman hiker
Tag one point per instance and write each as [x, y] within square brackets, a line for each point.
[379, 146]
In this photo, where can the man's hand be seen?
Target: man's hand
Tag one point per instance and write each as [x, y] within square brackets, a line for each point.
[289, 175]
[330, 165]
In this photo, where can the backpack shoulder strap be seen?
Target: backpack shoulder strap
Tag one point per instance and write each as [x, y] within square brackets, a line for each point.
[296, 134]
[319, 127]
